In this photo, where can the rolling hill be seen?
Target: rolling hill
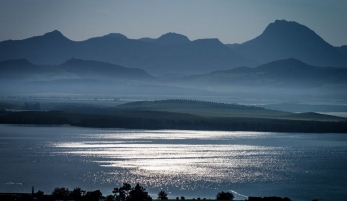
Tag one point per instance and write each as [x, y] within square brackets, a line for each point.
[287, 73]
[71, 69]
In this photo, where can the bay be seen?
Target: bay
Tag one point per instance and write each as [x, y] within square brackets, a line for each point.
[183, 163]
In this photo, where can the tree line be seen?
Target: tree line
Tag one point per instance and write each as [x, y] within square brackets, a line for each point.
[124, 193]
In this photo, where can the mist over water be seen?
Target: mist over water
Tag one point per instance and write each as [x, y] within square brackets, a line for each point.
[188, 163]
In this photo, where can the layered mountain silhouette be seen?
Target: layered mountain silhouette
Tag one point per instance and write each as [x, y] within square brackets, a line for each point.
[174, 53]
[170, 53]
[283, 39]
[71, 69]
[290, 73]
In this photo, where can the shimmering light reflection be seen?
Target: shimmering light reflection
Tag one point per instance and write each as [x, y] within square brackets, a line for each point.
[177, 158]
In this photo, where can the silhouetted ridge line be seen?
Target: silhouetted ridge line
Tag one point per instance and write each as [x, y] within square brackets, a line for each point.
[116, 35]
[196, 102]
[172, 39]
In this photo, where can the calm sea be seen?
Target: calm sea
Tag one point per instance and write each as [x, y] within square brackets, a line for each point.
[189, 163]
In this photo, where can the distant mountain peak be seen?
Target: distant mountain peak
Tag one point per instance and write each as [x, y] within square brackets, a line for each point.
[283, 39]
[172, 39]
[116, 35]
[286, 28]
[54, 33]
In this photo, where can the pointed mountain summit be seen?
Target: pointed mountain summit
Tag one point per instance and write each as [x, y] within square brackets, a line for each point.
[55, 36]
[283, 39]
[172, 39]
[54, 33]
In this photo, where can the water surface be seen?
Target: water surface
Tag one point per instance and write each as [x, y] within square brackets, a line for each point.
[189, 163]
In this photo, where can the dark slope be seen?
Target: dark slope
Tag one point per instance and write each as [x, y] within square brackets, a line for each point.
[101, 70]
[221, 110]
[20, 69]
[183, 114]
[71, 69]
[282, 73]
[283, 39]
[171, 120]
[342, 50]
[199, 56]
[167, 54]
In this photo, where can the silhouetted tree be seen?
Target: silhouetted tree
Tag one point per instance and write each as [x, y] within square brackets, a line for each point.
[224, 196]
[61, 193]
[39, 194]
[138, 194]
[162, 195]
[92, 195]
[122, 193]
[110, 198]
[77, 193]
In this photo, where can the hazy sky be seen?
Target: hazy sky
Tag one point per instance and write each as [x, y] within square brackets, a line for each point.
[230, 21]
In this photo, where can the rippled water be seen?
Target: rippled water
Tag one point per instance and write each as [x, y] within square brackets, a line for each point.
[189, 163]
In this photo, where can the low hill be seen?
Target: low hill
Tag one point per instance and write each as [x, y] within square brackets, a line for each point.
[219, 110]
[71, 69]
[287, 73]
[169, 120]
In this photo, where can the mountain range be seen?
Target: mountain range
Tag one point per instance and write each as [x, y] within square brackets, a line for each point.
[174, 53]
[170, 53]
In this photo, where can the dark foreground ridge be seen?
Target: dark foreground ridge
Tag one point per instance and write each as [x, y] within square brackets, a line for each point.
[123, 193]
[170, 120]
[180, 115]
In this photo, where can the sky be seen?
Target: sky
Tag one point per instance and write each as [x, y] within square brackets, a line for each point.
[228, 20]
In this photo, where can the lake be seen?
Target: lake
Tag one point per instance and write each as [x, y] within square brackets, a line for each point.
[189, 163]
